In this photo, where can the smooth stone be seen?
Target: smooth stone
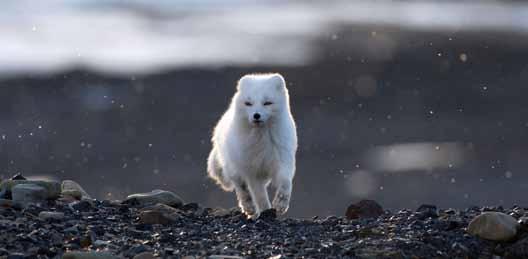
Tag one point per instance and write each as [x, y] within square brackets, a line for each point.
[496, 226]
[25, 194]
[220, 212]
[88, 255]
[53, 189]
[73, 189]
[154, 197]
[158, 214]
[72, 193]
[51, 215]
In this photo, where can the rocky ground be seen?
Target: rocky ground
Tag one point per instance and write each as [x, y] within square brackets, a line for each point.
[37, 222]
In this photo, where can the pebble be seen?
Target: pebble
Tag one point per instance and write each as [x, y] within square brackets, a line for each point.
[16, 256]
[225, 257]
[100, 243]
[427, 211]
[135, 250]
[270, 214]
[364, 209]
[517, 250]
[154, 197]
[88, 255]
[144, 255]
[82, 205]
[6, 203]
[190, 231]
[51, 215]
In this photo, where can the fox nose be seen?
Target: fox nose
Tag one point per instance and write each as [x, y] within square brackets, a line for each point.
[256, 116]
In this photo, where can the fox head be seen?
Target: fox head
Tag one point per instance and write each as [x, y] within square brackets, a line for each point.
[260, 98]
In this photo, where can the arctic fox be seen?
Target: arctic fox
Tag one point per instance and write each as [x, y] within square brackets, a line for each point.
[254, 144]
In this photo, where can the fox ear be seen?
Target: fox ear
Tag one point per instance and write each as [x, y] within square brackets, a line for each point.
[278, 81]
[241, 82]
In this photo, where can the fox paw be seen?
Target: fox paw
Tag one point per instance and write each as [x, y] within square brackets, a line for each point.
[281, 203]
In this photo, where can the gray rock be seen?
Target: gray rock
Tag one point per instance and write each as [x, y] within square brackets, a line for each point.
[518, 250]
[144, 255]
[18, 176]
[382, 252]
[136, 249]
[154, 197]
[51, 215]
[6, 203]
[74, 230]
[224, 257]
[88, 255]
[82, 205]
[158, 214]
[100, 243]
[25, 194]
[496, 226]
[364, 209]
[523, 221]
[427, 211]
[16, 256]
[73, 189]
[66, 200]
[52, 188]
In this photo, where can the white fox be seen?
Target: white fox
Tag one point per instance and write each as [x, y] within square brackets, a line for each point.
[254, 144]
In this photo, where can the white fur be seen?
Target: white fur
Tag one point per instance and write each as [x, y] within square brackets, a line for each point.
[248, 156]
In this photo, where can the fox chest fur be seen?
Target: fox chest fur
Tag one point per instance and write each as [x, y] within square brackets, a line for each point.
[261, 154]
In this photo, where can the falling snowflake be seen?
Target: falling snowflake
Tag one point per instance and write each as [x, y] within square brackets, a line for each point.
[463, 57]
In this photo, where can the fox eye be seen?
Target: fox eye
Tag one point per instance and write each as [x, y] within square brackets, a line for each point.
[268, 103]
[248, 103]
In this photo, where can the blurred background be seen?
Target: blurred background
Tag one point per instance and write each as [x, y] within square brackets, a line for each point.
[403, 102]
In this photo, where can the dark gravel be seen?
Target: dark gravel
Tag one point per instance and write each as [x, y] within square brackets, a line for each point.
[197, 231]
